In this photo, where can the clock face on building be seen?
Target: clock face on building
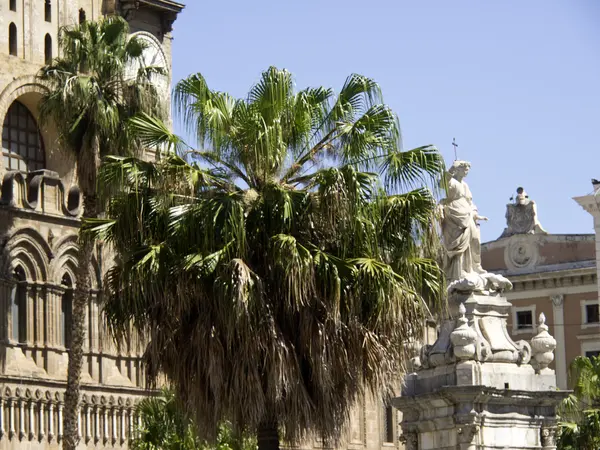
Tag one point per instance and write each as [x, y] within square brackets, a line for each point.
[152, 56]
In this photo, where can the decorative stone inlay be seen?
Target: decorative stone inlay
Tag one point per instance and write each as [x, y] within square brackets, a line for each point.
[542, 345]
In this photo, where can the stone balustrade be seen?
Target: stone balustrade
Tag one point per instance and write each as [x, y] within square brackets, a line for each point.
[33, 414]
[41, 191]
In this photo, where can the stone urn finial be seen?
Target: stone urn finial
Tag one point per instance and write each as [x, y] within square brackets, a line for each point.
[542, 346]
[463, 337]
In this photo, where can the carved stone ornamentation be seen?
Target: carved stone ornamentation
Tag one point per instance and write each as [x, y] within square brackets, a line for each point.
[467, 433]
[557, 300]
[410, 440]
[521, 216]
[542, 345]
[464, 338]
[548, 436]
[522, 252]
[475, 387]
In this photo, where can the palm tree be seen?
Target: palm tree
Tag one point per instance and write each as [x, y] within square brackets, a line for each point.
[580, 428]
[281, 268]
[88, 99]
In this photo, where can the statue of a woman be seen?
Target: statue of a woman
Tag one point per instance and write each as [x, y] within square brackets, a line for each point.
[460, 228]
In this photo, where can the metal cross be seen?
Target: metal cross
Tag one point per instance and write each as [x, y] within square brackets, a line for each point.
[455, 145]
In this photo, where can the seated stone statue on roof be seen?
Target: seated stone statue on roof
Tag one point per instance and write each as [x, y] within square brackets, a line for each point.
[521, 216]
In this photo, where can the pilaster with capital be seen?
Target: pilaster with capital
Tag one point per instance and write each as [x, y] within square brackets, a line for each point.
[558, 301]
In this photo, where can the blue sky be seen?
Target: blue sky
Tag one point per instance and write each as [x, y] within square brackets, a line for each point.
[516, 82]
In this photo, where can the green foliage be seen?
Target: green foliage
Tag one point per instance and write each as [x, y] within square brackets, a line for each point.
[580, 425]
[286, 265]
[164, 426]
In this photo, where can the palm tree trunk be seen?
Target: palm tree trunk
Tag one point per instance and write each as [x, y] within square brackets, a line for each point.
[87, 169]
[268, 436]
[80, 301]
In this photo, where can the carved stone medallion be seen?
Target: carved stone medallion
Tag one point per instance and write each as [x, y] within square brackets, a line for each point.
[522, 253]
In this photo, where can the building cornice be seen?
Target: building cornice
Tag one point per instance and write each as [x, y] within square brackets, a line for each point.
[573, 281]
[554, 238]
[590, 203]
[167, 8]
[165, 5]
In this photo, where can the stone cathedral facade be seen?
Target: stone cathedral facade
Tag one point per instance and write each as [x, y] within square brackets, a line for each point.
[39, 209]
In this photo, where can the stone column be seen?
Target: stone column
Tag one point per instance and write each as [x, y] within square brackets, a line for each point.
[39, 323]
[30, 315]
[559, 335]
[5, 310]
[54, 300]
[53, 323]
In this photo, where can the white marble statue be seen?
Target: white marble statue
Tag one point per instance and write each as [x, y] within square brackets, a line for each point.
[461, 238]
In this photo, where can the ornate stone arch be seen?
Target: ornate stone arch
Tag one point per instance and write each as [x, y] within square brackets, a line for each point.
[65, 261]
[26, 247]
[65, 251]
[20, 88]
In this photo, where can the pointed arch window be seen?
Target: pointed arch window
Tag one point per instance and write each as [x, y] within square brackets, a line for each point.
[12, 39]
[48, 49]
[22, 145]
[81, 16]
[48, 11]
[66, 312]
[13, 5]
[18, 306]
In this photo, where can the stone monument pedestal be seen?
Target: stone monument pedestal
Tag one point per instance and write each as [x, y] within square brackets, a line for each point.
[476, 388]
